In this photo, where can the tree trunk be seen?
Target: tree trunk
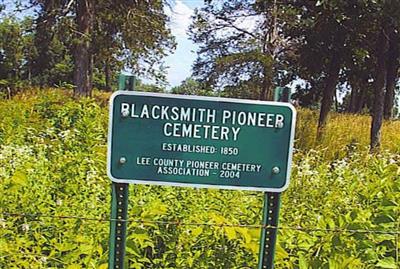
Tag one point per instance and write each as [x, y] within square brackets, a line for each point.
[391, 76]
[29, 75]
[379, 88]
[331, 82]
[271, 34]
[360, 99]
[43, 39]
[356, 96]
[266, 86]
[353, 94]
[90, 78]
[82, 53]
[335, 98]
[328, 94]
[107, 73]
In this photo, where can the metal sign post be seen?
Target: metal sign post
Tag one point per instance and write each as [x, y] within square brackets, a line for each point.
[269, 230]
[119, 205]
[272, 203]
[119, 214]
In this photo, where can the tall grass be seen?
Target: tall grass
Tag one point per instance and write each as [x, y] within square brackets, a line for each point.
[343, 132]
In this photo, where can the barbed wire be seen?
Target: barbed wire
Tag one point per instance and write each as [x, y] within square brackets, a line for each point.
[38, 216]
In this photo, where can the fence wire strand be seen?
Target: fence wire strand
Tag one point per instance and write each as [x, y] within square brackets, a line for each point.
[38, 217]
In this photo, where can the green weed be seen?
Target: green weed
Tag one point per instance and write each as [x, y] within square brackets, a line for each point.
[53, 163]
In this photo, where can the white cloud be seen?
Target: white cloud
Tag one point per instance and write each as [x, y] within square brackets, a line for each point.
[180, 15]
[250, 23]
[180, 61]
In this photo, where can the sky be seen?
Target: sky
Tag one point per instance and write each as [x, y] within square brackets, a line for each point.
[181, 60]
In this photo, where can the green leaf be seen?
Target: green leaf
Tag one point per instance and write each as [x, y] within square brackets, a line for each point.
[388, 263]
[302, 262]
[230, 233]
[197, 231]
[281, 253]
[19, 178]
[74, 266]
[245, 233]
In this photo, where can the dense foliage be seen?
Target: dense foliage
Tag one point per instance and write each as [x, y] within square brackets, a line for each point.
[332, 45]
[250, 47]
[52, 164]
[81, 43]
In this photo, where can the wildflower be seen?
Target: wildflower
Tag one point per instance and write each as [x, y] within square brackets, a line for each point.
[43, 259]
[3, 223]
[25, 227]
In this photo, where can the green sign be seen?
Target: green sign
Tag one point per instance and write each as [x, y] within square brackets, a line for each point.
[195, 141]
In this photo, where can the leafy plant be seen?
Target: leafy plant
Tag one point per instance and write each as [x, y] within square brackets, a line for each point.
[341, 210]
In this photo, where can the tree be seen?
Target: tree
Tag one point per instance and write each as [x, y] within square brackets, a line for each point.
[133, 33]
[386, 51]
[107, 32]
[140, 37]
[83, 57]
[241, 44]
[11, 49]
[52, 41]
[327, 35]
[147, 87]
[15, 52]
[358, 76]
[380, 84]
[392, 64]
[191, 86]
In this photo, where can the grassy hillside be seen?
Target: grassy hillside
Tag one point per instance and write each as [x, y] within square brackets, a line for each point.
[341, 211]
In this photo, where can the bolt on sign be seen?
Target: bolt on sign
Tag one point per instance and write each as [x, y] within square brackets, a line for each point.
[195, 141]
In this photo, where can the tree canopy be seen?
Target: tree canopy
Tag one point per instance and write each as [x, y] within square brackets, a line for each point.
[338, 48]
[85, 42]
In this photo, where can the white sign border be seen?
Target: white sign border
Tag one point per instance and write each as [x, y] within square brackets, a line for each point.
[201, 98]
